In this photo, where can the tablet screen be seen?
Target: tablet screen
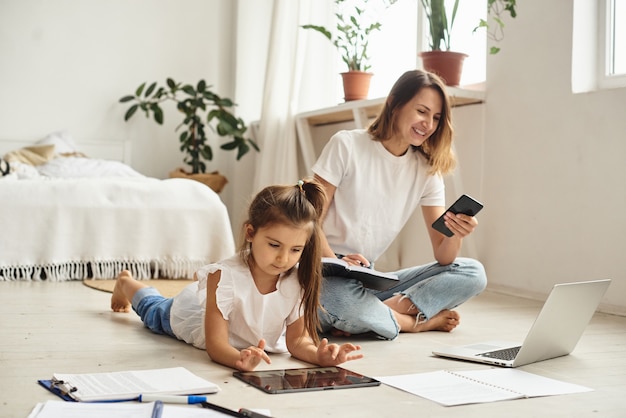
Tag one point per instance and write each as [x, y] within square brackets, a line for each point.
[305, 379]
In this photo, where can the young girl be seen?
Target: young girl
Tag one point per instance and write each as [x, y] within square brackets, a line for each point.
[265, 299]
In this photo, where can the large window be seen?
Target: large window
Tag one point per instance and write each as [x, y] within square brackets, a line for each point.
[394, 49]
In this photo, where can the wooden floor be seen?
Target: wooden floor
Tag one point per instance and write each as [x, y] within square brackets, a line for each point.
[68, 327]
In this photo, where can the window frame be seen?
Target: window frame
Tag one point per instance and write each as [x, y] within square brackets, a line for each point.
[606, 80]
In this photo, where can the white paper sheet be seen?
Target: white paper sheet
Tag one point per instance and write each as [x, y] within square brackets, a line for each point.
[61, 409]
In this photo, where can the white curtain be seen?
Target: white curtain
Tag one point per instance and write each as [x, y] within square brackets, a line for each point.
[278, 163]
[294, 79]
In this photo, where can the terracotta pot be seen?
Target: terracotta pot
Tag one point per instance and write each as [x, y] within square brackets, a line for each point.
[446, 64]
[356, 85]
[214, 180]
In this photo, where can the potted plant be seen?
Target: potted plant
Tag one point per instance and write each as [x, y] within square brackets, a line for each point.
[200, 108]
[351, 38]
[449, 64]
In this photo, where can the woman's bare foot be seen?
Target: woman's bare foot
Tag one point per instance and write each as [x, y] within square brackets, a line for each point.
[407, 316]
[339, 333]
[119, 301]
[445, 320]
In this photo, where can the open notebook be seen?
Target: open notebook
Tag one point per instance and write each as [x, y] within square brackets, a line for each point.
[555, 332]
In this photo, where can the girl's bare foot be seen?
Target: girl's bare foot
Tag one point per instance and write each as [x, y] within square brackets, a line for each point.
[119, 301]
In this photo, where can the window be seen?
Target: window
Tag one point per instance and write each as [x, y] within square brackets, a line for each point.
[613, 44]
[393, 49]
[598, 45]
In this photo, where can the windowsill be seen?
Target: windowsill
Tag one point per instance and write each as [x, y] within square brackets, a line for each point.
[344, 112]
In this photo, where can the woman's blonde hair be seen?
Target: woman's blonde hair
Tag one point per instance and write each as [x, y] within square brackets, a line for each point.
[437, 149]
[300, 206]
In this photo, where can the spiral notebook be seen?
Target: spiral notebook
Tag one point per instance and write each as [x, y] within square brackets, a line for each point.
[451, 388]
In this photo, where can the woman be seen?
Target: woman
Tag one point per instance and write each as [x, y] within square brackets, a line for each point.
[374, 180]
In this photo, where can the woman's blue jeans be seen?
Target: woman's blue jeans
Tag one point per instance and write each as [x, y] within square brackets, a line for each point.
[350, 307]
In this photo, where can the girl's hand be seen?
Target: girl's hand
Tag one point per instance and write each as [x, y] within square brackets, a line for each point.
[460, 224]
[334, 354]
[252, 356]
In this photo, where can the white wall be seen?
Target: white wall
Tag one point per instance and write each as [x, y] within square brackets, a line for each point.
[554, 164]
[65, 63]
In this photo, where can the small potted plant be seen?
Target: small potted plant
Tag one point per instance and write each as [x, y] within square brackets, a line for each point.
[449, 64]
[351, 38]
[200, 108]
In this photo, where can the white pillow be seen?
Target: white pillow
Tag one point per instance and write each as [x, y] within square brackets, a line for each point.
[62, 141]
[24, 171]
[73, 167]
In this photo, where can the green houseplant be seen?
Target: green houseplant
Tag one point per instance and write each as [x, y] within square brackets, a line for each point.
[200, 107]
[355, 22]
[439, 58]
[494, 25]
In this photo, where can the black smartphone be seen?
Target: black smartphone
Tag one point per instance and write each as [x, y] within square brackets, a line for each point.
[464, 204]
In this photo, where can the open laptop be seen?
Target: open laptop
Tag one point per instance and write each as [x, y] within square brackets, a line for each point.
[555, 332]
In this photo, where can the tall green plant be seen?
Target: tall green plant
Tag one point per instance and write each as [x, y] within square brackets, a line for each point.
[200, 108]
[439, 29]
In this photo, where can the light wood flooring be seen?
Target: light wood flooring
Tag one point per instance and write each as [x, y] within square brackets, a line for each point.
[68, 327]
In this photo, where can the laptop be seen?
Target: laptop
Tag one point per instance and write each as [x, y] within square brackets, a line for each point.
[555, 332]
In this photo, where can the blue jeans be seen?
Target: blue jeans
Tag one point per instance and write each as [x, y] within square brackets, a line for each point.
[154, 310]
[350, 307]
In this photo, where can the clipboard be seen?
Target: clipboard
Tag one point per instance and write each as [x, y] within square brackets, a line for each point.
[126, 385]
[64, 390]
[60, 388]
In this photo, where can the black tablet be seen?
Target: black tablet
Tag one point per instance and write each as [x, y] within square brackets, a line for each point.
[305, 379]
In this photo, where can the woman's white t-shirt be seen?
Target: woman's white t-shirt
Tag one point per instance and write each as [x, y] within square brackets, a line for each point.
[251, 315]
[376, 192]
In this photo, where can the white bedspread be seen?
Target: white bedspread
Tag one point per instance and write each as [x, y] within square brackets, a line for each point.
[70, 229]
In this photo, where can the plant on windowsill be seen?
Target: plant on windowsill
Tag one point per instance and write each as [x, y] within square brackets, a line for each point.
[449, 64]
[354, 24]
[200, 108]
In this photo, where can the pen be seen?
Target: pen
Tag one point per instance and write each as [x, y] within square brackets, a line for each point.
[209, 405]
[172, 399]
[251, 414]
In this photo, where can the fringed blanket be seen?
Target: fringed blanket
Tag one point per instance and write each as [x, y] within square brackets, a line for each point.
[72, 229]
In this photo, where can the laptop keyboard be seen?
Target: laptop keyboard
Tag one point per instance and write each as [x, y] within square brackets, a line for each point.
[505, 354]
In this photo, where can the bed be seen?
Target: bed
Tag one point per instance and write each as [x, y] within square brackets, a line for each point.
[72, 216]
